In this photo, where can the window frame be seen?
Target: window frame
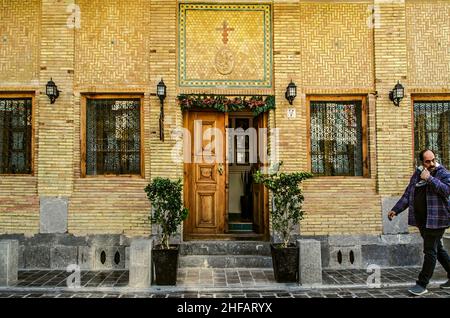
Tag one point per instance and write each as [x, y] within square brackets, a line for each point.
[423, 97]
[84, 99]
[24, 95]
[364, 129]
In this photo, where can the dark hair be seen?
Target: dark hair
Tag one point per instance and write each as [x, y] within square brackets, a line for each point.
[422, 152]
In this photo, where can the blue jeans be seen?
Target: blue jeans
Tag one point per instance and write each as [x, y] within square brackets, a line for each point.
[432, 250]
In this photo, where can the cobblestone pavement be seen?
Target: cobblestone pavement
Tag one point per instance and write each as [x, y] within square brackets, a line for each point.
[288, 293]
[223, 283]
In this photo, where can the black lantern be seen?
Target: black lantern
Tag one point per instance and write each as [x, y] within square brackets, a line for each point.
[161, 92]
[52, 91]
[291, 92]
[397, 94]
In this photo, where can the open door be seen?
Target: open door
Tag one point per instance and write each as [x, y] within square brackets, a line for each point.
[260, 193]
[206, 175]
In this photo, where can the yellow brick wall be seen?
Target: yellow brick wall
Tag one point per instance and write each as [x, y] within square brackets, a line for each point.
[112, 43]
[163, 59]
[112, 55]
[19, 42]
[325, 47]
[19, 205]
[19, 71]
[55, 121]
[335, 46]
[428, 42]
[394, 129]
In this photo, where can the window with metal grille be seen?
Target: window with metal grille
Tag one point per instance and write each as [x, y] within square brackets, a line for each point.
[337, 138]
[431, 129]
[113, 136]
[15, 135]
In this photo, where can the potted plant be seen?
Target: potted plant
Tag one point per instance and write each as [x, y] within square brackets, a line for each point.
[165, 196]
[285, 214]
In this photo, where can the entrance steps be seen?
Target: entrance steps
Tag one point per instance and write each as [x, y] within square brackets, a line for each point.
[225, 254]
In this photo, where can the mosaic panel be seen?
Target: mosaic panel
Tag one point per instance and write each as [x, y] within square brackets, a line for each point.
[225, 46]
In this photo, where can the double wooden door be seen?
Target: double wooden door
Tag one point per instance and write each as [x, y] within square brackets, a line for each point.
[206, 177]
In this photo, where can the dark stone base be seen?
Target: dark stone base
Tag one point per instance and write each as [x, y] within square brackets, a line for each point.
[58, 251]
[360, 251]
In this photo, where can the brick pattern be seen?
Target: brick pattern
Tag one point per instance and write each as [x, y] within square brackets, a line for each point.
[428, 42]
[109, 206]
[341, 206]
[19, 205]
[112, 43]
[111, 56]
[19, 70]
[324, 47]
[335, 45]
[19, 42]
[394, 125]
[163, 58]
[55, 121]
[318, 66]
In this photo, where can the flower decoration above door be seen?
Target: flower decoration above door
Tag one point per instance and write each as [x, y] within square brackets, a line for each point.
[256, 104]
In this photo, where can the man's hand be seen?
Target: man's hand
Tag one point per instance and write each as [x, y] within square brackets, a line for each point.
[391, 215]
[425, 174]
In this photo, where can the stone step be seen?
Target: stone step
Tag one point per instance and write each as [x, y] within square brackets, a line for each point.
[225, 261]
[232, 248]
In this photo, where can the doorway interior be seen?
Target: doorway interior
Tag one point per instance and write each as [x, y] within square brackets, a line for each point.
[240, 170]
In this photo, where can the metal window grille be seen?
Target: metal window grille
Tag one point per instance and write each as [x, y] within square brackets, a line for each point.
[431, 129]
[336, 138]
[15, 135]
[113, 136]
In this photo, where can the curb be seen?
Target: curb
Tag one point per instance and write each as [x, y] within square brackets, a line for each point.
[206, 289]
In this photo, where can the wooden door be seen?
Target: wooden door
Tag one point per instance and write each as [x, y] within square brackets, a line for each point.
[260, 193]
[205, 175]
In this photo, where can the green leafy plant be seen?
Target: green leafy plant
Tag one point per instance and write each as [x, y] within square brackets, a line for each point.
[165, 196]
[257, 104]
[288, 199]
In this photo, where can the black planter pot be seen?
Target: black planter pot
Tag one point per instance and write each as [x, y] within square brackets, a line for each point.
[285, 263]
[165, 263]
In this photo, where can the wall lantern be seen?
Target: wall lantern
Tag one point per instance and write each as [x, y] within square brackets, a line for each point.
[52, 91]
[291, 92]
[161, 92]
[397, 94]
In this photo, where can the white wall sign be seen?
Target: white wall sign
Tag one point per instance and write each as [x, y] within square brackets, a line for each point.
[291, 113]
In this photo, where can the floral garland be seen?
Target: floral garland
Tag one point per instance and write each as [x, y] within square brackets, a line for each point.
[257, 104]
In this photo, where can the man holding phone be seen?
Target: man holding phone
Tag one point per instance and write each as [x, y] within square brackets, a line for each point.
[427, 197]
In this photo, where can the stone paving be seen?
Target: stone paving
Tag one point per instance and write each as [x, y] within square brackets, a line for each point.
[222, 283]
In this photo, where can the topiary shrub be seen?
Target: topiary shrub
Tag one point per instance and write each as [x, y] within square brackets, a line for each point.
[169, 212]
[287, 197]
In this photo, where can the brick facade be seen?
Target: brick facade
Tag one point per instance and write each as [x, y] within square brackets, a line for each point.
[127, 47]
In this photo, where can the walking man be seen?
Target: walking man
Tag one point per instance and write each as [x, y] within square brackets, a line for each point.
[427, 197]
